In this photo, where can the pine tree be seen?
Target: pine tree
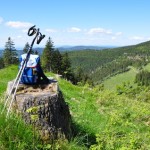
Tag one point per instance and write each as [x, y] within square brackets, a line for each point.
[143, 78]
[1, 63]
[79, 74]
[56, 62]
[36, 52]
[10, 53]
[26, 48]
[66, 70]
[47, 55]
[66, 64]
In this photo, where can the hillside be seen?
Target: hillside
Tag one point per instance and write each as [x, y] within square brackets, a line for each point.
[5, 76]
[81, 47]
[109, 62]
[101, 119]
[126, 77]
[62, 49]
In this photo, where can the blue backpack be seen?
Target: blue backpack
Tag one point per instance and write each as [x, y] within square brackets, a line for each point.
[30, 73]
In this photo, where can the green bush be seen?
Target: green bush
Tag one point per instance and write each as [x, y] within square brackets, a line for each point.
[127, 126]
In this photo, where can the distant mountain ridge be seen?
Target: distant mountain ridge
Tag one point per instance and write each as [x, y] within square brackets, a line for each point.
[82, 47]
[64, 48]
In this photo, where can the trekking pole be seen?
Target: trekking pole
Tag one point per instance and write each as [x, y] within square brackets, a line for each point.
[11, 91]
[39, 37]
[17, 83]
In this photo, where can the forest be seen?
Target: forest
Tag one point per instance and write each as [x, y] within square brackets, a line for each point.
[102, 64]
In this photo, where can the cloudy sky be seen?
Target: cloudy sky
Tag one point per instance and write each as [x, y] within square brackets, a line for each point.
[76, 22]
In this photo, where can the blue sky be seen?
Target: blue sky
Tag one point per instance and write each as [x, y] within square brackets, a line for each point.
[76, 22]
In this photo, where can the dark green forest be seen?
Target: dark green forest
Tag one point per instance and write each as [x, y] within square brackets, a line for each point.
[102, 64]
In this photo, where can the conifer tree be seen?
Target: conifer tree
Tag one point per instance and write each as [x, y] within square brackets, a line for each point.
[56, 62]
[66, 64]
[66, 70]
[26, 48]
[36, 52]
[79, 74]
[143, 78]
[47, 55]
[1, 63]
[10, 53]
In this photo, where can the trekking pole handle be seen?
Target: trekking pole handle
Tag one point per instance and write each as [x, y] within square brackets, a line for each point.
[37, 33]
[32, 31]
[40, 38]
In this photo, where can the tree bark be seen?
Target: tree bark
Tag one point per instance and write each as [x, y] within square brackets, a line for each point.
[43, 106]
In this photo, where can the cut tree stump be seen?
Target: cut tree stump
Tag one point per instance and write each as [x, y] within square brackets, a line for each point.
[43, 106]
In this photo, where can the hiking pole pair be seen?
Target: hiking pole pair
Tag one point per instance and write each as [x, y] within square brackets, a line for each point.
[13, 90]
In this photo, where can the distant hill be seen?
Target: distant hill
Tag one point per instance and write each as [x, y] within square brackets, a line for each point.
[64, 48]
[109, 62]
[77, 48]
[19, 52]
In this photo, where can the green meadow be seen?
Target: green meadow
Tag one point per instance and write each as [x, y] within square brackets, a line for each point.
[127, 77]
[101, 119]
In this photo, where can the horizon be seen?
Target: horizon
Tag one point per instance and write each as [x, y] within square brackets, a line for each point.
[67, 46]
[104, 22]
[70, 46]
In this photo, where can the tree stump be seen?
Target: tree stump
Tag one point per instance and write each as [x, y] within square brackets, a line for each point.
[43, 106]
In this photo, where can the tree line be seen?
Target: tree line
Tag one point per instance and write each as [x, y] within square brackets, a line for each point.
[51, 59]
[143, 78]
[85, 66]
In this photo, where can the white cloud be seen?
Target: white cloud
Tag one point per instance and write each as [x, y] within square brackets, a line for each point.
[113, 38]
[1, 20]
[74, 29]
[148, 38]
[18, 24]
[119, 33]
[25, 30]
[19, 36]
[51, 30]
[99, 30]
[137, 38]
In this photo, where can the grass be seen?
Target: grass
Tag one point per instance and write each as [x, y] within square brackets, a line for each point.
[15, 134]
[100, 119]
[6, 75]
[101, 116]
[113, 82]
[147, 67]
[128, 123]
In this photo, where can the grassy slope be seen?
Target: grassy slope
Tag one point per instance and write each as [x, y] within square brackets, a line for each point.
[117, 121]
[14, 134]
[112, 82]
[129, 76]
[6, 75]
[109, 116]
